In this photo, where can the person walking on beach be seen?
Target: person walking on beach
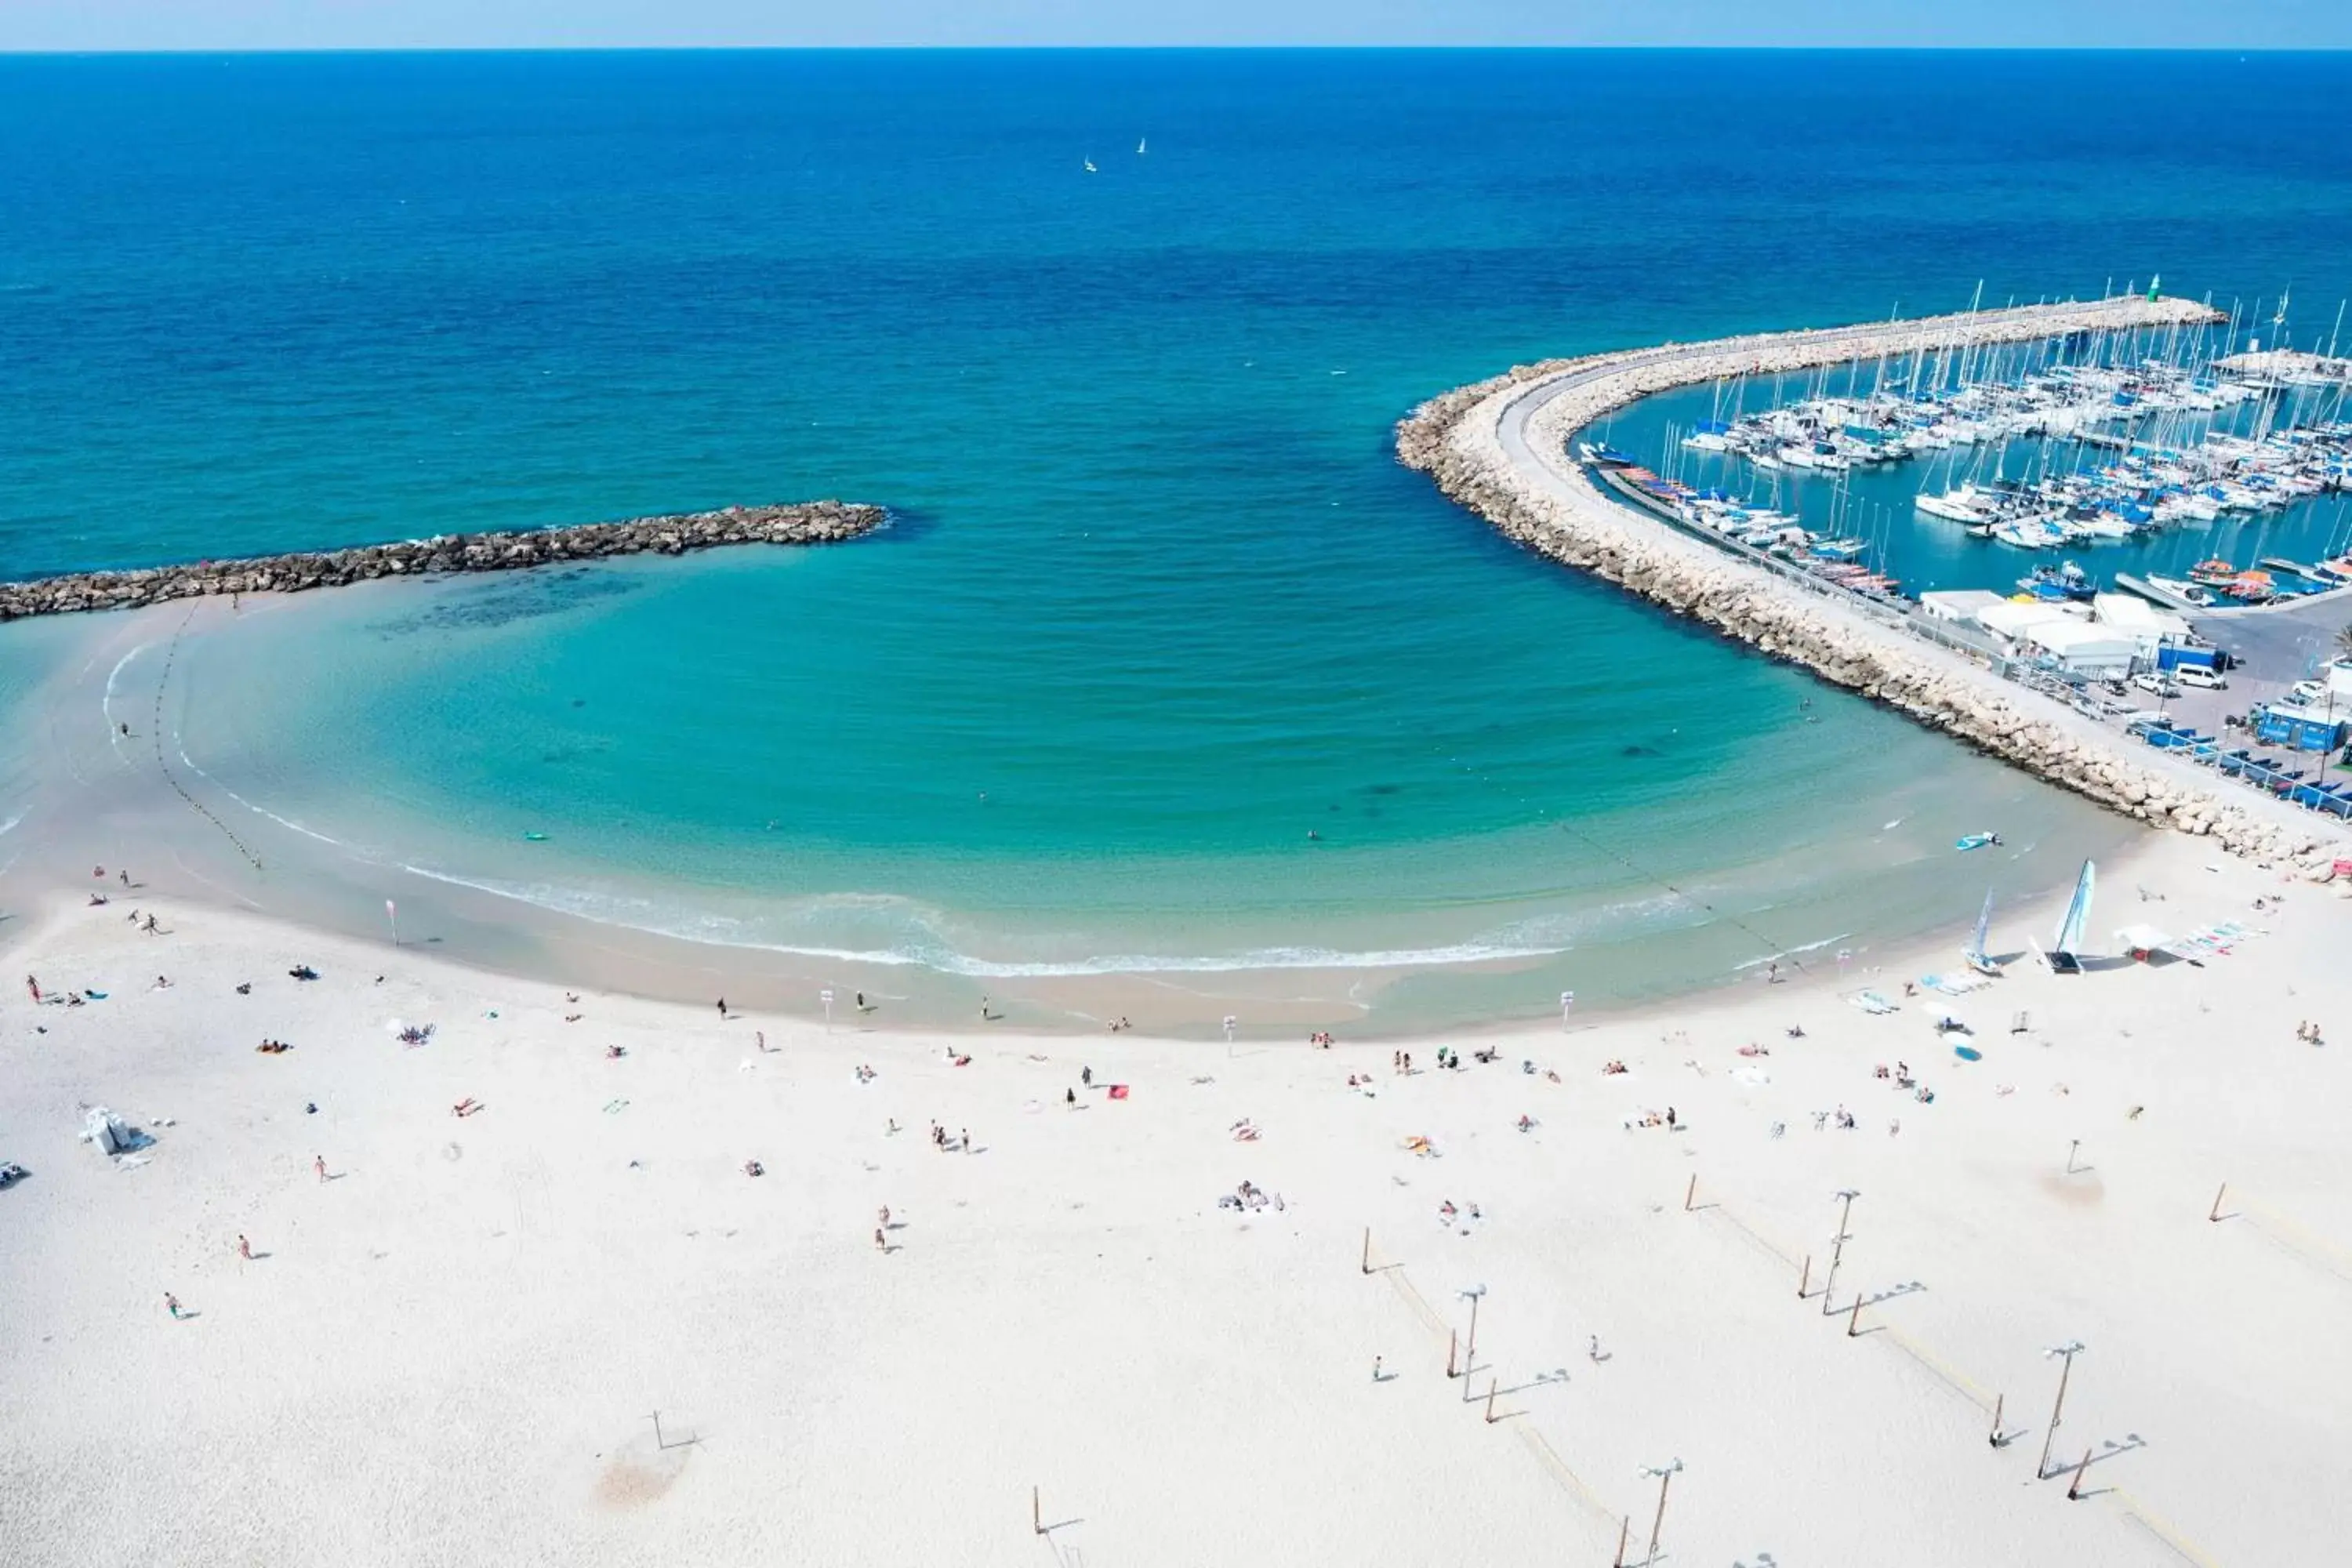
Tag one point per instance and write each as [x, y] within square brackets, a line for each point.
[34, 987]
[723, 1007]
[243, 1248]
[881, 1242]
[171, 1305]
[318, 1163]
[1376, 1369]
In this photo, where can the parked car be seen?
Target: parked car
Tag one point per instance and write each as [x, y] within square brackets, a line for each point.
[2202, 679]
[2150, 681]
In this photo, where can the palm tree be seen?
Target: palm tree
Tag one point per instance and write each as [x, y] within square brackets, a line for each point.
[2344, 641]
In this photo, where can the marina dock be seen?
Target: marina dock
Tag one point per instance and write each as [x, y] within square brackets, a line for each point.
[1503, 448]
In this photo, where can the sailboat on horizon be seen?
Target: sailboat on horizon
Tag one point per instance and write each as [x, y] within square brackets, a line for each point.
[1140, 146]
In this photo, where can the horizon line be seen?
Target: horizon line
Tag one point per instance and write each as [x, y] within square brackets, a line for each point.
[1921, 48]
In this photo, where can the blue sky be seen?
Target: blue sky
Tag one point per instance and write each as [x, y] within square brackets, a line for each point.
[516, 24]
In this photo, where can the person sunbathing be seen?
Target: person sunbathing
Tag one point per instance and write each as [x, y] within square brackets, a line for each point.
[753, 1168]
[614, 1053]
[466, 1107]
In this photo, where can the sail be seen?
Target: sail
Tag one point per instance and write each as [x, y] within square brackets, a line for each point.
[1976, 948]
[2078, 914]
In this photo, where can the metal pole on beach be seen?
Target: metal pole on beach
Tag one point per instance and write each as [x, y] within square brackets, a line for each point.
[1566, 1001]
[1470, 1344]
[1665, 1474]
[825, 997]
[1837, 1247]
[392, 913]
[2067, 1353]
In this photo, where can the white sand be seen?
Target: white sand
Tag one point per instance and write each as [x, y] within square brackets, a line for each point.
[449, 1353]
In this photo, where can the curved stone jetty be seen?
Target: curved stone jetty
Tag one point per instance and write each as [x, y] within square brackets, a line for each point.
[812, 522]
[1500, 448]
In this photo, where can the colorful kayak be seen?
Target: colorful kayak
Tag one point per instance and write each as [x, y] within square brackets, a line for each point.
[1968, 1053]
[1976, 841]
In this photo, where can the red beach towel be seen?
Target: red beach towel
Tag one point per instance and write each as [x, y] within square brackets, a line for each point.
[1118, 1092]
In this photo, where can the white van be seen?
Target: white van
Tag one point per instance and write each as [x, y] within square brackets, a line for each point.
[2198, 676]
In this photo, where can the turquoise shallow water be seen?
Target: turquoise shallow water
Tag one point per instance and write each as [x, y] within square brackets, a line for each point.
[1157, 588]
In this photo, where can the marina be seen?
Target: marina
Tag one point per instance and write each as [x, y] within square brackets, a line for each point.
[2218, 467]
[1530, 451]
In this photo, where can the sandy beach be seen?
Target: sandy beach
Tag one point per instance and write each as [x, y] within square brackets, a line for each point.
[451, 1350]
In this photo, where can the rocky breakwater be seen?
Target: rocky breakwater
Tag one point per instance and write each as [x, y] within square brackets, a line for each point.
[813, 522]
[1500, 448]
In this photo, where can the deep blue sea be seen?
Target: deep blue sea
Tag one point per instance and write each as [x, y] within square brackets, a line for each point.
[1158, 604]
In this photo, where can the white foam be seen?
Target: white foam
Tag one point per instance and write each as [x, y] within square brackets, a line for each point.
[719, 932]
[1791, 953]
[106, 699]
[260, 810]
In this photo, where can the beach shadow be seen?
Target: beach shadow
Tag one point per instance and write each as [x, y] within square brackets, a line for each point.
[1892, 1293]
[261, 1256]
[2111, 1449]
[1540, 1380]
[1060, 1524]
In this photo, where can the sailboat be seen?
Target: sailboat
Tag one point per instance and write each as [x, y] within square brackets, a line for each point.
[1140, 147]
[2066, 953]
[1091, 166]
[1974, 953]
